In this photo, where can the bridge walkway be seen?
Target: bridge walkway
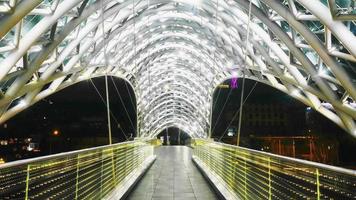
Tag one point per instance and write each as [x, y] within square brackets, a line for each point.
[173, 176]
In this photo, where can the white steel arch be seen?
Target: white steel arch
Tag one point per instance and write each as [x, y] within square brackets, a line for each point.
[175, 52]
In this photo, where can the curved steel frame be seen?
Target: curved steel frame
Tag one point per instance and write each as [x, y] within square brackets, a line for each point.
[174, 53]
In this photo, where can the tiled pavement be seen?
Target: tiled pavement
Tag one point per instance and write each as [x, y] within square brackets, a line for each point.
[173, 176]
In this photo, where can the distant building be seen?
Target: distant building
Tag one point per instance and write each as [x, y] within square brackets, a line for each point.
[291, 130]
[269, 119]
[304, 147]
[265, 115]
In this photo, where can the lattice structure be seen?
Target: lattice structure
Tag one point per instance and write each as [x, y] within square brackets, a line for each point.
[174, 53]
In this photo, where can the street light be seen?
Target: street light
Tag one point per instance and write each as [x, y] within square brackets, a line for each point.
[55, 132]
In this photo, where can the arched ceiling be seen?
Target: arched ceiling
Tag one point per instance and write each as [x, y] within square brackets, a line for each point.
[174, 53]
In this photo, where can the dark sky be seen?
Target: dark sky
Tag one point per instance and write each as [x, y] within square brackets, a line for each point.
[75, 104]
[264, 94]
[227, 100]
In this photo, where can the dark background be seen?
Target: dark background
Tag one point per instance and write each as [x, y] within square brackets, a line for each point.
[79, 115]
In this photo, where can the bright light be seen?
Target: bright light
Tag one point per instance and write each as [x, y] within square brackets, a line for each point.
[207, 105]
[29, 148]
[323, 71]
[36, 48]
[327, 105]
[194, 128]
[294, 92]
[166, 87]
[3, 142]
[197, 3]
[353, 104]
[22, 103]
[56, 132]
[219, 29]
[230, 2]
[144, 102]
[234, 73]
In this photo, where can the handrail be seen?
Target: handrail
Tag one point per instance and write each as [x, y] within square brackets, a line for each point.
[94, 173]
[297, 160]
[242, 173]
[57, 155]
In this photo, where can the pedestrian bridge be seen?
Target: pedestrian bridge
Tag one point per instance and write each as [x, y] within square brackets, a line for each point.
[174, 53]
[142, 170]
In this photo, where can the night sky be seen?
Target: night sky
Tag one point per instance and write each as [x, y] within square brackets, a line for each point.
[78, 112]
[257, 94]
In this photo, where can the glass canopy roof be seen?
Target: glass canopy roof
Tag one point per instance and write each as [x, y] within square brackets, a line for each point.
[174, 53]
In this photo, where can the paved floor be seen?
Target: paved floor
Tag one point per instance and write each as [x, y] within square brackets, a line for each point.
[173, 176]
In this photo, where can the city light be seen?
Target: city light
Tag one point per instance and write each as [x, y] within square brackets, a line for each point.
[3, 142]
[233, 83]
[56, 132]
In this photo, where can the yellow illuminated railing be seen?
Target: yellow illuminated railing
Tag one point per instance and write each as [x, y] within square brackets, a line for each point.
[85, 174]
[250, 174]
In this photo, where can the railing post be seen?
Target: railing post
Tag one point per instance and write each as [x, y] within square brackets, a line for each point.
[209, 152]
[269, 180]
[245, 182]
[101, 173]
[125, 159]
[27, 181]
[113, 167]
[235, 160]
[77, 178]
[317, 185]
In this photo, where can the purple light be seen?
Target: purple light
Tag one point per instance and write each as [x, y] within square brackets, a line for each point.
[233, 83]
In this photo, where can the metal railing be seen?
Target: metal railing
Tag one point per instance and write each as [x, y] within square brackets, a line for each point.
[85, 174]
[242, 173]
